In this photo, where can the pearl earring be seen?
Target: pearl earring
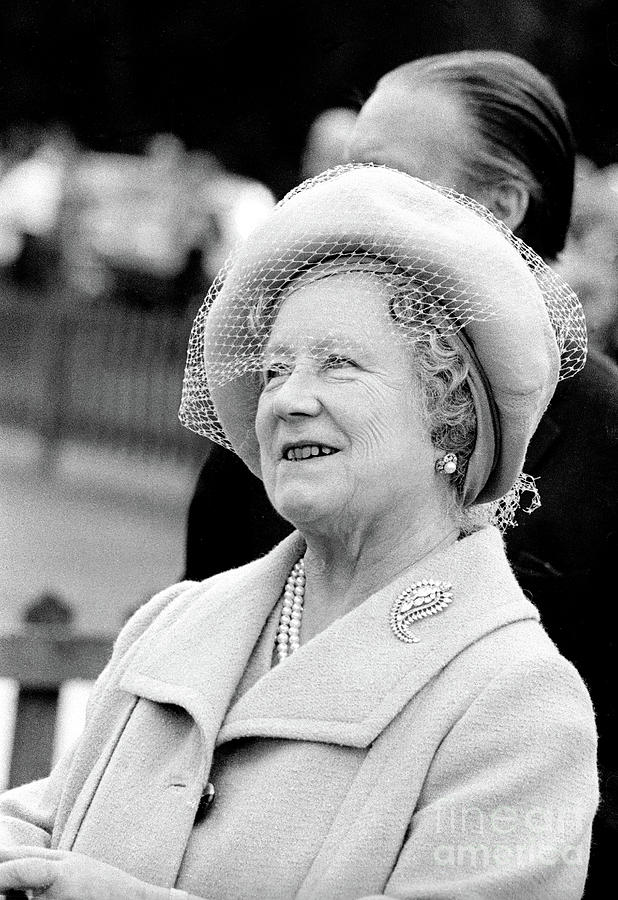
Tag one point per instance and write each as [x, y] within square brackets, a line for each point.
[447, 464]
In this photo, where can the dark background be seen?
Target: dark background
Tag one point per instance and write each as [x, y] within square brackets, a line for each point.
[245, 78]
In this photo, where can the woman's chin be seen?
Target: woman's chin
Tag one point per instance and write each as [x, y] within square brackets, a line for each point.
[303, 507]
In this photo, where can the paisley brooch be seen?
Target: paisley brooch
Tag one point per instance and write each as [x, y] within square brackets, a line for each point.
[422, 599]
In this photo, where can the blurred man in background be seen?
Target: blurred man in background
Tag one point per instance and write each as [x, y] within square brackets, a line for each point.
[327, 140]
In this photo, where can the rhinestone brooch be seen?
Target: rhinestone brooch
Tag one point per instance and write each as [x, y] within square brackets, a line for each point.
[422, 599]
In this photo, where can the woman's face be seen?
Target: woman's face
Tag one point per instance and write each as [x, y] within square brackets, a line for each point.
[340, 424]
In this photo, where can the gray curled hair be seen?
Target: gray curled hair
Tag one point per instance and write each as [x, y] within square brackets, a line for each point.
[450, 413]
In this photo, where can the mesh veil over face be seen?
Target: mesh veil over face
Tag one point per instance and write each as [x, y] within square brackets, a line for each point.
[448, 266]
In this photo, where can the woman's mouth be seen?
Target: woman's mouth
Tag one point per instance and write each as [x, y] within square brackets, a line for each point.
[307, 451]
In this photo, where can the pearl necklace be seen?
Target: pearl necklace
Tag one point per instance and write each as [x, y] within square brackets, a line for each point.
[424, 598]
[288, 630]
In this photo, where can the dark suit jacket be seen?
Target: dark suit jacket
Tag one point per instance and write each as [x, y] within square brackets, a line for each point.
[564, 554]
[565, 557]
[231, 521]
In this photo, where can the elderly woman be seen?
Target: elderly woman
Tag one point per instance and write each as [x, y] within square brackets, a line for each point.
[372, 709]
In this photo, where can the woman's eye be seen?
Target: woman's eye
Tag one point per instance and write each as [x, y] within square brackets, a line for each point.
[277, 370]
[337, 361]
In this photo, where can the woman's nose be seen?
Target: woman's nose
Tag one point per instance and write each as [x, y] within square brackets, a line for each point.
[298, 395]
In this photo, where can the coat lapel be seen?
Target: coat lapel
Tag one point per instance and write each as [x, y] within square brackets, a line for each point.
[179, 679]
[346, 684]
[352, 679]
[196, 660]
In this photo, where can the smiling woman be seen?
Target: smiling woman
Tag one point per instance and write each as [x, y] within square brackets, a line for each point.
[362, 350]
[347, 384]
[335, 719]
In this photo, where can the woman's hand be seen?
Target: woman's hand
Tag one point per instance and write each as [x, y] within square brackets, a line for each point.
[62, 875]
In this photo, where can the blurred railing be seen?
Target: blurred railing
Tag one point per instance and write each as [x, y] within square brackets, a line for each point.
[97, 372]
[47, 664]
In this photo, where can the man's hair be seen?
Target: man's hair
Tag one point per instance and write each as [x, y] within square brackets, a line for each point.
[523, 130]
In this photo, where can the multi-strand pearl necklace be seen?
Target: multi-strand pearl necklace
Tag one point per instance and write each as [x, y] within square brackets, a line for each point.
[288, 630]
[422, 599]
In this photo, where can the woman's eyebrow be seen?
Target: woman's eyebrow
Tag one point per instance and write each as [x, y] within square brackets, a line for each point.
[331, 343]
[339, 343]
[278, 349]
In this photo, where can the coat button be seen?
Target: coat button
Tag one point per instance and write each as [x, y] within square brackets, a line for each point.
[206, 801]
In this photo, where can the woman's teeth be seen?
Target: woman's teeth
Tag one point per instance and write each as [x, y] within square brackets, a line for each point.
[307, 451]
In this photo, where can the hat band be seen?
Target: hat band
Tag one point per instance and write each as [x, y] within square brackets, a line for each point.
[484, 457]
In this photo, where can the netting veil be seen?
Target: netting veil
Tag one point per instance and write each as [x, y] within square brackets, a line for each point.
[446, 265]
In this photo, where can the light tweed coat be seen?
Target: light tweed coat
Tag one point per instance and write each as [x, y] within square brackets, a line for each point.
[362, 767]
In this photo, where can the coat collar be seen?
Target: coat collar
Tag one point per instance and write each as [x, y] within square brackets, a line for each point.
[346, 684]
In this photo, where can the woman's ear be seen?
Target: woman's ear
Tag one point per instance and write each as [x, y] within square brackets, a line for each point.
[508, 200]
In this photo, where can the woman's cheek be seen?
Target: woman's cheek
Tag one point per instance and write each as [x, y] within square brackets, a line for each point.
[371, 430]
[375, 436]
[264, 432]
[264, 422]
